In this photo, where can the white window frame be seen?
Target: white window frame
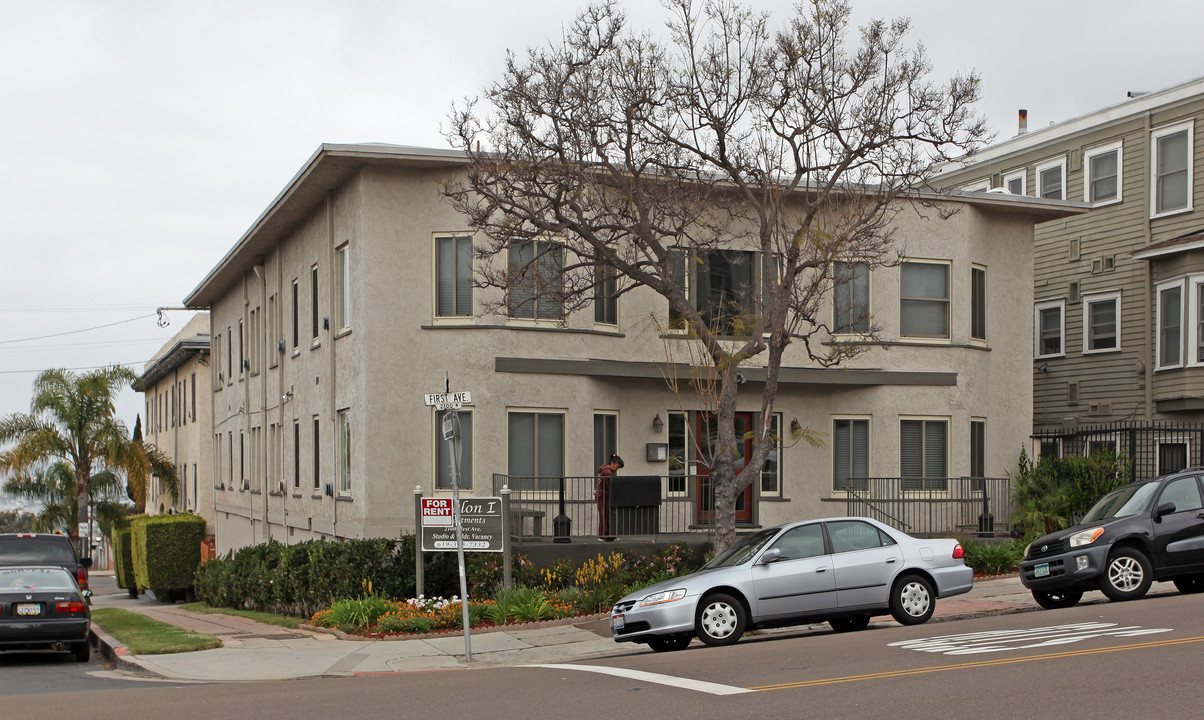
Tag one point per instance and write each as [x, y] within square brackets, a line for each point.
[1193, 318]
[1022, 175]
[450, 319]
[564, 430]
[948, 421]
[1094, 298]
[344, 457]
[1037, 308]
[343, 265]
[982, 185]
[940, 339]
[1096, 151]
[974, 268]
[1184, 441]
[869, 454]
[541, 245]
[1159, 289]
[1058, 162]
[1110, 437]
[869, 299]
[776, 453]
[1155, 135]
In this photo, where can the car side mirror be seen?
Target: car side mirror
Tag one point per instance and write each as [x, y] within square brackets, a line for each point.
[85, 562]
[771, 555]
[1165, 508]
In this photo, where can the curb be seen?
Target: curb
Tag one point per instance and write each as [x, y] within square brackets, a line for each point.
[509, 627]
[113, 651]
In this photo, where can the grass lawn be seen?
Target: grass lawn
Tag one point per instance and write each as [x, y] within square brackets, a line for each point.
[287, 621]
[145, 636]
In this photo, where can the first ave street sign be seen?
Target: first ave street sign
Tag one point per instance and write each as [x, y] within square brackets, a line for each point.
[453, 399]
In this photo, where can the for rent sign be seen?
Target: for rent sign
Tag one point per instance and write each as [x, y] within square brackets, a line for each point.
[480, 524]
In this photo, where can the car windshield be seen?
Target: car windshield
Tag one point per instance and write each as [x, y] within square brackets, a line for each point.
[18, 549]
[1128, 500]
[742, 551]
[35, 579]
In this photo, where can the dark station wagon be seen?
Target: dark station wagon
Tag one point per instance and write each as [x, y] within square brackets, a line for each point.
[1146, 531]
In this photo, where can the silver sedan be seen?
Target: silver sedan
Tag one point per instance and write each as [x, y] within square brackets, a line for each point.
[842, 570]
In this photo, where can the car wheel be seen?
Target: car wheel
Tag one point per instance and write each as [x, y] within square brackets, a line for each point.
[1127, 576]
[1189, 584]
[719, 620]
[83, 651]
[913, 600]
[850, 624]
[1057, 599]
[669, 643]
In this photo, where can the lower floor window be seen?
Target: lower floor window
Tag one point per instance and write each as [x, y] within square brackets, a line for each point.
[924, 452]
[443, 478]
[535, 450]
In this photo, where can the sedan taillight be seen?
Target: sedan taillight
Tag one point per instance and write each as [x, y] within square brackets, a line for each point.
[958, 551]
[81, 577]
[73, 606]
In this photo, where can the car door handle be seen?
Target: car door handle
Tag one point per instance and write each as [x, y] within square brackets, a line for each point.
[891, 560]
[821, 569]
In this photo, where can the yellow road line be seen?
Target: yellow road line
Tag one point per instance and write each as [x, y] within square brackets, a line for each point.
[979, 664]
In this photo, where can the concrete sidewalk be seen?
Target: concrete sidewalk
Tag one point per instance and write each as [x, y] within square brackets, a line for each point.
[255, 651]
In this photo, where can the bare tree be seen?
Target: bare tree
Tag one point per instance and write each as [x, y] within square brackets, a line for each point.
[614, 160]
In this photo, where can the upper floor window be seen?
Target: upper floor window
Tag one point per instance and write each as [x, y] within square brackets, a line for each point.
[924, 301]
[606, 305]
[537, 285]
[1172, 168]
[1051, 179]
[1101, 322]
[343, 265]
[1102, 166]
[313, 300]
[978, 186]
[851, 298]
[296, 313]
[978, 303]
[1170, 325]
[453, 276]
[723, 289]
[1015, 182]
[1049, 321]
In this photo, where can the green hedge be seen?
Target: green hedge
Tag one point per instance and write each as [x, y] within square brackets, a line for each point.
[123, 558]
[166, 551]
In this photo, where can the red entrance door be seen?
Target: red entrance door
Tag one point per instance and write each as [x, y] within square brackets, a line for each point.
[708, 437]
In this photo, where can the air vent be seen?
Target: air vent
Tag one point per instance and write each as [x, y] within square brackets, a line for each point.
[1109, 262]
[1075, 247]
[1097, 267]
[1074, 291]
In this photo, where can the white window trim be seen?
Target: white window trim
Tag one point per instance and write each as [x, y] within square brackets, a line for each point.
[928, 492]
[562, 412]
[1179, 283]
[869, 300]
[436, 318]
[1022, 173]
[869, 460]
[1037, 308]
[1155, 134]
[777, 450]
[1095, 298]
[562, 321]
[344, 451]
[1059, 162]
[1192, 295]
[948, 338]
[982, 341]
[982, 185]
[343, 258]
[1104, 150]
[1115, 438]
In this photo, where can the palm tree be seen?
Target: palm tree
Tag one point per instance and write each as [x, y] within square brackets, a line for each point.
[72, 419]
[54, 487]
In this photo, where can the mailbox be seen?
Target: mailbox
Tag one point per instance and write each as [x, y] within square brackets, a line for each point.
[635, 503]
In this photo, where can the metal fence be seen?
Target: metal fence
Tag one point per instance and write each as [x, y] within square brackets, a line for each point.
[939, 506]
[1148, 448]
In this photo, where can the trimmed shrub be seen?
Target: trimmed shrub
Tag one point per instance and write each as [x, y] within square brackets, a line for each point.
[166, 551]
[123, 559]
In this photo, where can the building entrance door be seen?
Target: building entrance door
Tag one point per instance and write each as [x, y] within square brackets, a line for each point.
[708, 437]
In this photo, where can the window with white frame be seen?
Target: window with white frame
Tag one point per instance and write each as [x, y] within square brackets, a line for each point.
[1015, 182]
[1051, 179]
[978, 186]
[1171, 168]
[924, 453]
[534, 449]
[536, 293]
[313, 302]
[924, 299]
[1170, 325]
[850, 453]
[1049, 324]
[851, 297]
[1101, 322]
[771, 472]
[443, 452]
[679, 444]
[1102, 173]
[344, 422]
[453, 276]
[1106, 444]
[343, 267]
[606, 305]
[978, 303]
[723, 286]
[1195, 320]
[606, 441]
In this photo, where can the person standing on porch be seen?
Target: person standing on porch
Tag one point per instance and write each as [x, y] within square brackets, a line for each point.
[602, 495]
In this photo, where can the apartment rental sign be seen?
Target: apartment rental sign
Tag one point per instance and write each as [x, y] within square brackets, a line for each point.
[480, 524]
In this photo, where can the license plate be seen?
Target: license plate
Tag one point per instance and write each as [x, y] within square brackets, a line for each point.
[617, 622]
[1041, 570]
[29, 609]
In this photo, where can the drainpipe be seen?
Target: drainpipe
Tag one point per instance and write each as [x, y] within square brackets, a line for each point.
[1150, 298]
[332, 384]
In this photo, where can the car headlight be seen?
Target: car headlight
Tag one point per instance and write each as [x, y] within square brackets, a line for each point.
[1086, 537]
[1028, 550]
[663, 597]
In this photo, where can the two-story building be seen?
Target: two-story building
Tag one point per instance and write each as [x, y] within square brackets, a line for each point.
[351, 297]
[1118, 293]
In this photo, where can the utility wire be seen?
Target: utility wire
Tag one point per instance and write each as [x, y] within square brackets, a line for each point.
[73, 332]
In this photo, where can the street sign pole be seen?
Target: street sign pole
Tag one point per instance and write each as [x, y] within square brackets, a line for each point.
[451, 431]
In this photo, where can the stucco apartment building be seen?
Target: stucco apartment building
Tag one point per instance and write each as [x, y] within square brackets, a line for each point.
[177, 387]
[350, 298]
[1118, 293]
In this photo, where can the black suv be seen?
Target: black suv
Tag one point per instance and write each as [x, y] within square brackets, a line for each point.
[29, 549]
[1146, 531]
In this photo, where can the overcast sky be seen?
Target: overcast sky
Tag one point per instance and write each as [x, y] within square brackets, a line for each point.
[141, 139]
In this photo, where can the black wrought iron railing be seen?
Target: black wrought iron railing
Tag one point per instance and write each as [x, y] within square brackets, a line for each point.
[934, 506]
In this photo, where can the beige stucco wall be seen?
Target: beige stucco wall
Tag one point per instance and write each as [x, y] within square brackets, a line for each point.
[395, 352]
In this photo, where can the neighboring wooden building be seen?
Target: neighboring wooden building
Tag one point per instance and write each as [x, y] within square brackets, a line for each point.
[179, 421]
[1118, 293]
[351, 296]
